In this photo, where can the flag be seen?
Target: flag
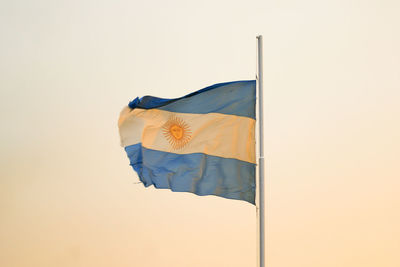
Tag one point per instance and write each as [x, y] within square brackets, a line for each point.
[202, 143]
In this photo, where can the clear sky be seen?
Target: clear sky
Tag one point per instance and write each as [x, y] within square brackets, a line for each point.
[68, 196]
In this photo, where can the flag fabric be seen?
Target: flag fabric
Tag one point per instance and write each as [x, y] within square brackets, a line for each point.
[202, 143]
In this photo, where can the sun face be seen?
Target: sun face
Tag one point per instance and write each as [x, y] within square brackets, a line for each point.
[177, 132]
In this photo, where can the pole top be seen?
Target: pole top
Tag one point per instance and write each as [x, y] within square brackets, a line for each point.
[259, 37]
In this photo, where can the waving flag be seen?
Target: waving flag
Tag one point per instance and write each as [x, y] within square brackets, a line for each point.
[202, 143]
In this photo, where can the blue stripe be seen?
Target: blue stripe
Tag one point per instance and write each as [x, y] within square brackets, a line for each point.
[232, 98]
[198, 173]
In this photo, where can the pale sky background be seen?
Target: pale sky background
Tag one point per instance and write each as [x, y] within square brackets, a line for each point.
[68, 196]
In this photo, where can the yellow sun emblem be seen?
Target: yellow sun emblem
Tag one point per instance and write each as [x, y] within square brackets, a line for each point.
[177, 132]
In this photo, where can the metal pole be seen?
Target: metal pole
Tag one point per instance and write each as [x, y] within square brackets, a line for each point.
[261, 155]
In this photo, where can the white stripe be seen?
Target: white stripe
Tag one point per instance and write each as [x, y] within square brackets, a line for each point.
[216, 134]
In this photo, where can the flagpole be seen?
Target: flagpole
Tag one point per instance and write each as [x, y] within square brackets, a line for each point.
[261, 207]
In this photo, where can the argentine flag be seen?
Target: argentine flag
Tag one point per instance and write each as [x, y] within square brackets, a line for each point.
[202, 143]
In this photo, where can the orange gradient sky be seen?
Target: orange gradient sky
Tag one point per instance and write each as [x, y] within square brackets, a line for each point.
[68, 196]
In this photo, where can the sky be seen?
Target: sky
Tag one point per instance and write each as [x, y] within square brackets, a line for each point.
[68, 196]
